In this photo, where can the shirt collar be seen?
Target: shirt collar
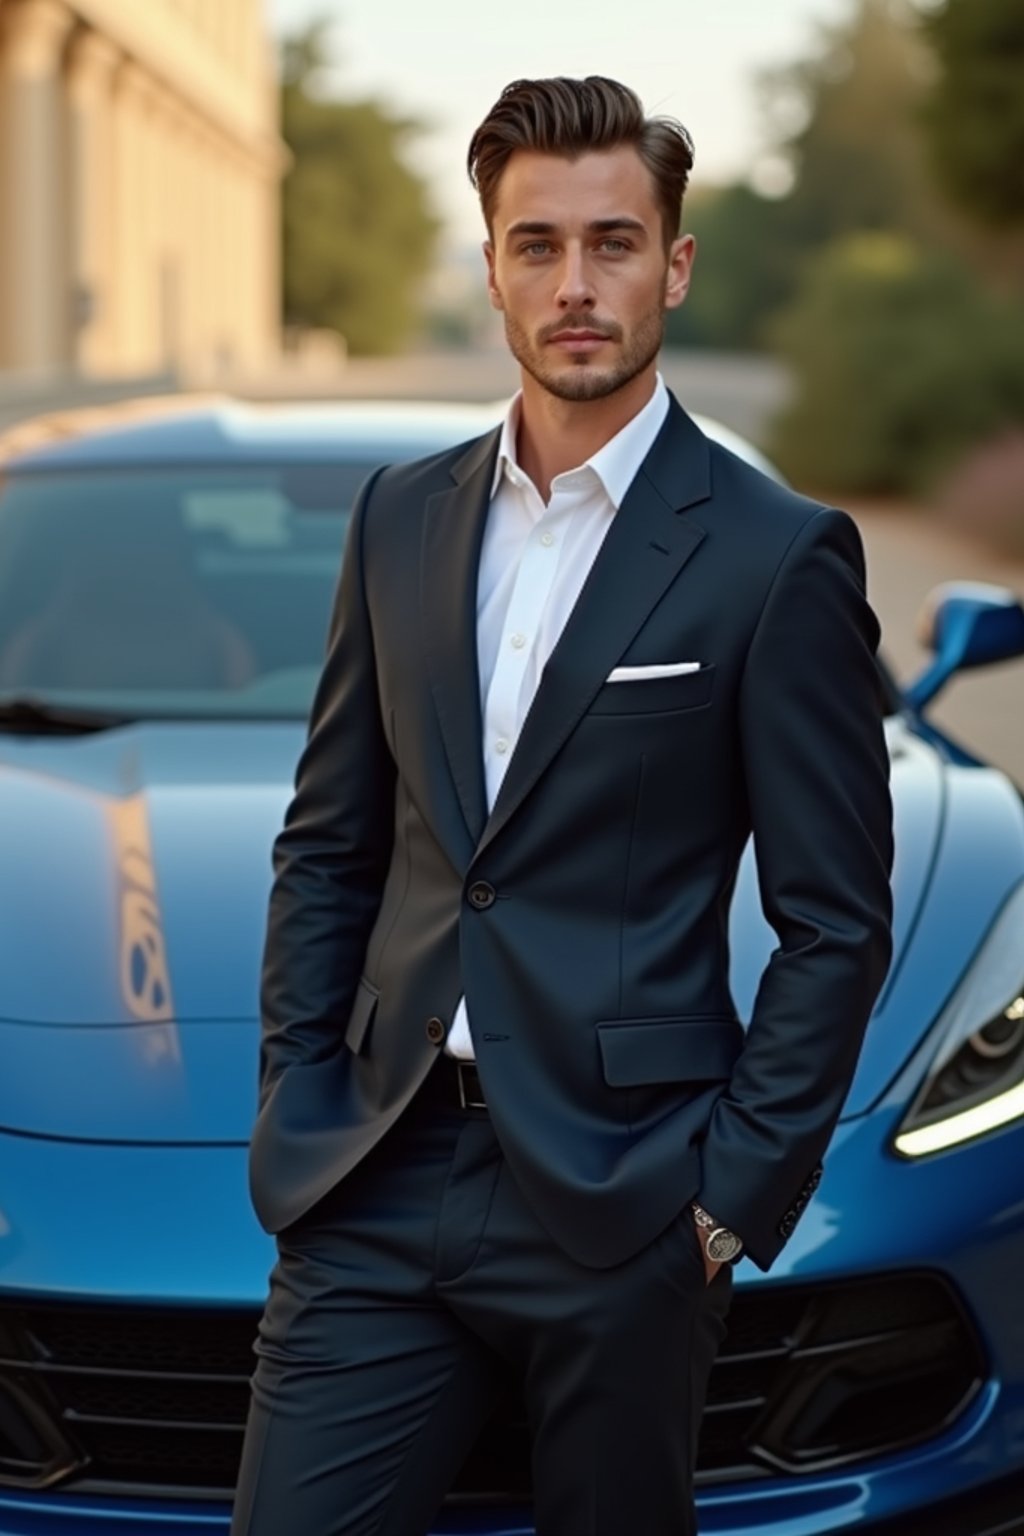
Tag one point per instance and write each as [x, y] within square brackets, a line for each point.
[615, 464]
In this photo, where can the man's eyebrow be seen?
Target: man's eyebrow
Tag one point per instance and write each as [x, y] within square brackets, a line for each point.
[529, 227]
[621, 221]
[595, 227]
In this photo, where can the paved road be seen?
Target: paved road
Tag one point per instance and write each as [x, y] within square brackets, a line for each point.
[742, 390]
[909, 554]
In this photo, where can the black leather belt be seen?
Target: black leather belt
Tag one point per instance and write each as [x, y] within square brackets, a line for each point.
[461, 1083]
[471, 1089]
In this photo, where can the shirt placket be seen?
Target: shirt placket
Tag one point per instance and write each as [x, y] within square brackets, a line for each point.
[510, 695]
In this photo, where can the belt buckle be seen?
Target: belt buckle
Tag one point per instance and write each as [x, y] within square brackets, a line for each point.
[464, 1100]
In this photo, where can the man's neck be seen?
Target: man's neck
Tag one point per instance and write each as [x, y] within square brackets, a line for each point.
[556, 435]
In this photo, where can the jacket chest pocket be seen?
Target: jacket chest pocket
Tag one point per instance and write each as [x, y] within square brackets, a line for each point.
[655, 695]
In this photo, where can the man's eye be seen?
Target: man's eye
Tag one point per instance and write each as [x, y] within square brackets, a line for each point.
[614, 245]
[536, 248]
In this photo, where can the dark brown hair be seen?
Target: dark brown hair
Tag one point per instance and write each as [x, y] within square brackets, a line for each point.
[569, 117]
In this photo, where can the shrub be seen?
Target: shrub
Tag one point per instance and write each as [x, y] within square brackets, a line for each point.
[901, 362]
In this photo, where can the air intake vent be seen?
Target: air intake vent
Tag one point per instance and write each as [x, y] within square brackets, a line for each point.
[808, 1378]
[33, 1451]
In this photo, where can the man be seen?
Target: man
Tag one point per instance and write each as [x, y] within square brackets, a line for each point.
[510, 1126]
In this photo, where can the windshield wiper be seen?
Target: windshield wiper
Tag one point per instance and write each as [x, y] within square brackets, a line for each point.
[35, 716]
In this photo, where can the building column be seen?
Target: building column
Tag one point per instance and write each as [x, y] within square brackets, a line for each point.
[200, 299]
[169, 231]
[36, 324]
[174, 233]
[268, 245]
[149, 213]
[218, 273]
[132, 301]
[91, 64]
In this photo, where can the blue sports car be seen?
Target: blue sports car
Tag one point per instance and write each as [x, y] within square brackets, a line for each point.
[165, 578]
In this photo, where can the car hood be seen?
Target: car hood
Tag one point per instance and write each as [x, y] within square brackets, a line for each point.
[134, 885]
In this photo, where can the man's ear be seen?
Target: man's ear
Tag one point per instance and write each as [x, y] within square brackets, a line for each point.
[493, 291]
[680, 269]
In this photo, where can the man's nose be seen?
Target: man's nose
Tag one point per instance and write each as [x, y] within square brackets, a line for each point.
[575, 286]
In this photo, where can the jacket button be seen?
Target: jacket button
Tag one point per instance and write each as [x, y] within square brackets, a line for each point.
[435, 1031]
[482, 895]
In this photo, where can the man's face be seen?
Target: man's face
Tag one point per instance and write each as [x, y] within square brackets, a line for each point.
[577, 264]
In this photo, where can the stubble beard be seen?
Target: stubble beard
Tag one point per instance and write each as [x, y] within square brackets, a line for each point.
[585, 379]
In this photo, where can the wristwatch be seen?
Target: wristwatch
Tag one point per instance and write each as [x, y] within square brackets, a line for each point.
[722, 1246]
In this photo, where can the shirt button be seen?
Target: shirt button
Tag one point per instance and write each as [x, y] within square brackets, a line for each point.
[501, 745]
[435, 1031]
[482, 895]
[547, 539]
[518, 641]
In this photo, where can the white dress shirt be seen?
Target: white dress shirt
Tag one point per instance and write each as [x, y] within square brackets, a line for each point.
[533, 563]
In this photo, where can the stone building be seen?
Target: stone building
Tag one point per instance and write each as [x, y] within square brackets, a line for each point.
[140, 164]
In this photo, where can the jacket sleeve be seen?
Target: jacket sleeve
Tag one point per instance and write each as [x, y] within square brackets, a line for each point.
[332, 857]
[817, 777]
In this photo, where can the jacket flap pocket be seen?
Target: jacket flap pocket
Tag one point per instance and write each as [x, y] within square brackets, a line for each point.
[655, 695]
[638, 1051]
[359, 1020]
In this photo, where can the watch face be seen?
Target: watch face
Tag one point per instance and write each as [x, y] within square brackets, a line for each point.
[723, 1246]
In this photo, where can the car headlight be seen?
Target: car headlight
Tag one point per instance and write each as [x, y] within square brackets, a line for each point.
[976, 1082]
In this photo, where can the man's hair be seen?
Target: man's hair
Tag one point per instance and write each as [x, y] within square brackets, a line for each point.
[569, 117]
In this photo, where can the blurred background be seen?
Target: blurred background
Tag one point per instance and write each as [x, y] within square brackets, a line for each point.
[268, 197]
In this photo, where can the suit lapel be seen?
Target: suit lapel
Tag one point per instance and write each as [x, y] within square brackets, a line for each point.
[453, 531]
[644, 551]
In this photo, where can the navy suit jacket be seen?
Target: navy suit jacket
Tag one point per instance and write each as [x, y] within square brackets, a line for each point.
[586, 917]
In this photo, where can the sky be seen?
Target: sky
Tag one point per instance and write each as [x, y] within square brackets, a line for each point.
[445, 62]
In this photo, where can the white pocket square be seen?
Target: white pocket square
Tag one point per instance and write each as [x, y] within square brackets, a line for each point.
[664, 669]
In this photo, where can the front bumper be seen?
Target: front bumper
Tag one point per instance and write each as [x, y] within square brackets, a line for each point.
[170, 1228]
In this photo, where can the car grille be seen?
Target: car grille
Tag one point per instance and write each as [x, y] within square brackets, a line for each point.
[139, 1400]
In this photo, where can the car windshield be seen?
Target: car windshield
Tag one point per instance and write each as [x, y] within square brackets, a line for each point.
[171, 592]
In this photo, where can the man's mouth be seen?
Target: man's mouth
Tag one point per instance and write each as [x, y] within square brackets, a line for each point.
[579, 344]
[579, 336]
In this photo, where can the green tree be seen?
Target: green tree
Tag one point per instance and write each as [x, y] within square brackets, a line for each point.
[358, 235]
[743, 270]
[845, 124]
[975, 112]
[902, 361]
[846, 119]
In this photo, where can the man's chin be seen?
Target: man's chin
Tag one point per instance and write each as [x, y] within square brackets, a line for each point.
[580, 379]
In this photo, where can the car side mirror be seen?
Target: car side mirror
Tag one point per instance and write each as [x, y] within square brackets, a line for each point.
[966, 624]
